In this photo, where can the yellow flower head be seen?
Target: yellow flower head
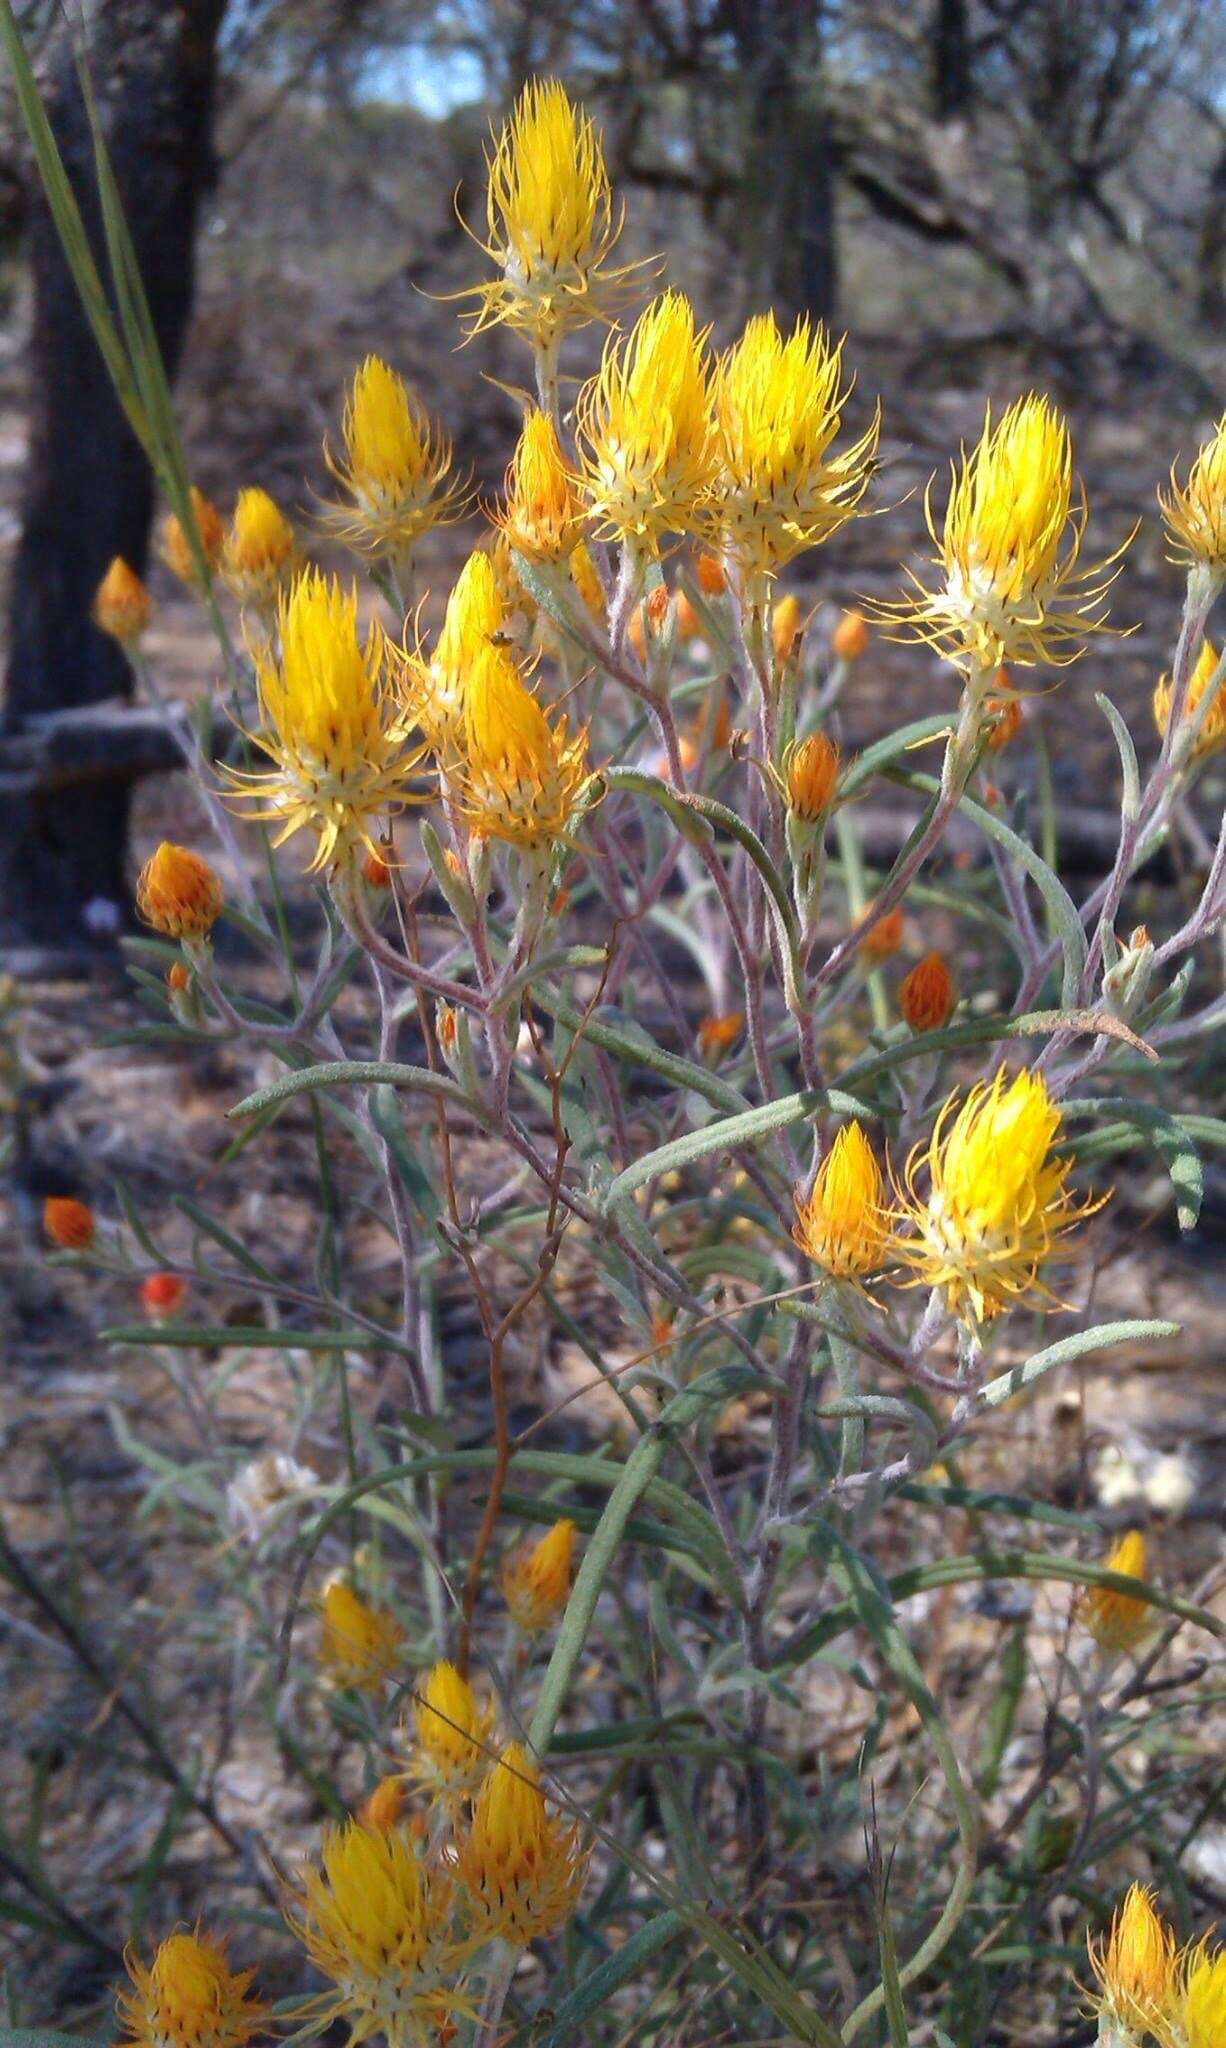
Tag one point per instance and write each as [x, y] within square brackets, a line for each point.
[1195, 511]
[453, 1732]
[1200, 2003]
[188, 1997]
[551, 221]
[779, 406]
[543, 516]
[1135, 1966]
[645, 427]
[177, 552]
[327, 724]
[259, 554]
[843, 1223]
[361, 1644]
[1009, 550]
[122, 604]
[521, 1866]
[522, 772]
[377, 1920]
[536, 1578]
[178, 893]
[435, 690]
[998, 1203]
[811, 776]
[1213, 732]
[395, 467]
[1118, 1621]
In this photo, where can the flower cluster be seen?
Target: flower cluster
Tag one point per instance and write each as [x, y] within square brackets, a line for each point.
[1148, 1988]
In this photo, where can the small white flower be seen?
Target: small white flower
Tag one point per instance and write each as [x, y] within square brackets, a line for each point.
[256, 1496]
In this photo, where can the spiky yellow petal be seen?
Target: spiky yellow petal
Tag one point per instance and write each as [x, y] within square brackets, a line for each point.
[453, 1732]
[395, 468]
[843, 1222]
[997, 1203]
[1135, 1966]
[1213, 732]
[521, 1866]
[779, 406]
[377, 1920]
[1195, 511]
[362, 1644]
[188, 1997]
[543, 516]
[1200, 2000]
[328, 724]
[645, 427]
[536, 1578]
[551, 222]
[522, 772]
[1118, 1621]
[1010, 588]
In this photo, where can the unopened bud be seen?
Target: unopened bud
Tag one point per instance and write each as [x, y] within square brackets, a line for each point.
[385, 1805]
[178, 893]
[850, 636]
[162, 1295]
[711, 577]
[716, 1035]
[177, 551]
[812, 772]
[927, 996]
[122, 605]
[375, 871]
[886, 936]
[786, 626]
[178, 978]
[68, 1223]
[1007, 718]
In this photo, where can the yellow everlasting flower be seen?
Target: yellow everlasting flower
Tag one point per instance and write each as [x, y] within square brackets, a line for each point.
[543, 516]
[1200, 2002]
[1135, 1966]
[435, 689]
[259, 553]
[189, 1997]
[177, 551]
[521, 1866]
[522, 772]
[998, 1203]
[122, 604]
[1195, 512]
[551, 221]
[328, 724]
[395, 467]
[1119, 1621]
[178, 893]
[361, 1644]
[377, 1920]
[453, 1732]
[779, 406]
[843, 1223]
[536, 1578]
[645, 427]
[1213, 732]
[1011, 588]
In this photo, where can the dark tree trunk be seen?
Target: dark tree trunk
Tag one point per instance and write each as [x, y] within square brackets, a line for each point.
[1211, 265]
[786, 206]
[89, 494]
[952, 84]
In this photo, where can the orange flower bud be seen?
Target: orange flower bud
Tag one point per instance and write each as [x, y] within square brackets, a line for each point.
[376, 872]
[178, 893]
[662, 1328]
[657, 606]
[786, 626]
[1117, 1621]
[850, 637]
[385, 1804]
[717, 1034]
[812, 769]
[176, 550]
[1007, 720]
[162, 1295]
[68, 1223]
[721, 732]
[536, 1578]
[927, 996]
[178, 980]
[447, 1025]
[710, 573]
[122, 605]
[688, 622]
[886, 936]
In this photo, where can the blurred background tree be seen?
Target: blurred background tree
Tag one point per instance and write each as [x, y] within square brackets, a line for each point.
[944, 177]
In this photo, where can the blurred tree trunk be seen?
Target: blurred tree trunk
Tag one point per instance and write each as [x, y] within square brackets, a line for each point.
[952, 82]
[89, 494]
[1211, 256]
[786, 207]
